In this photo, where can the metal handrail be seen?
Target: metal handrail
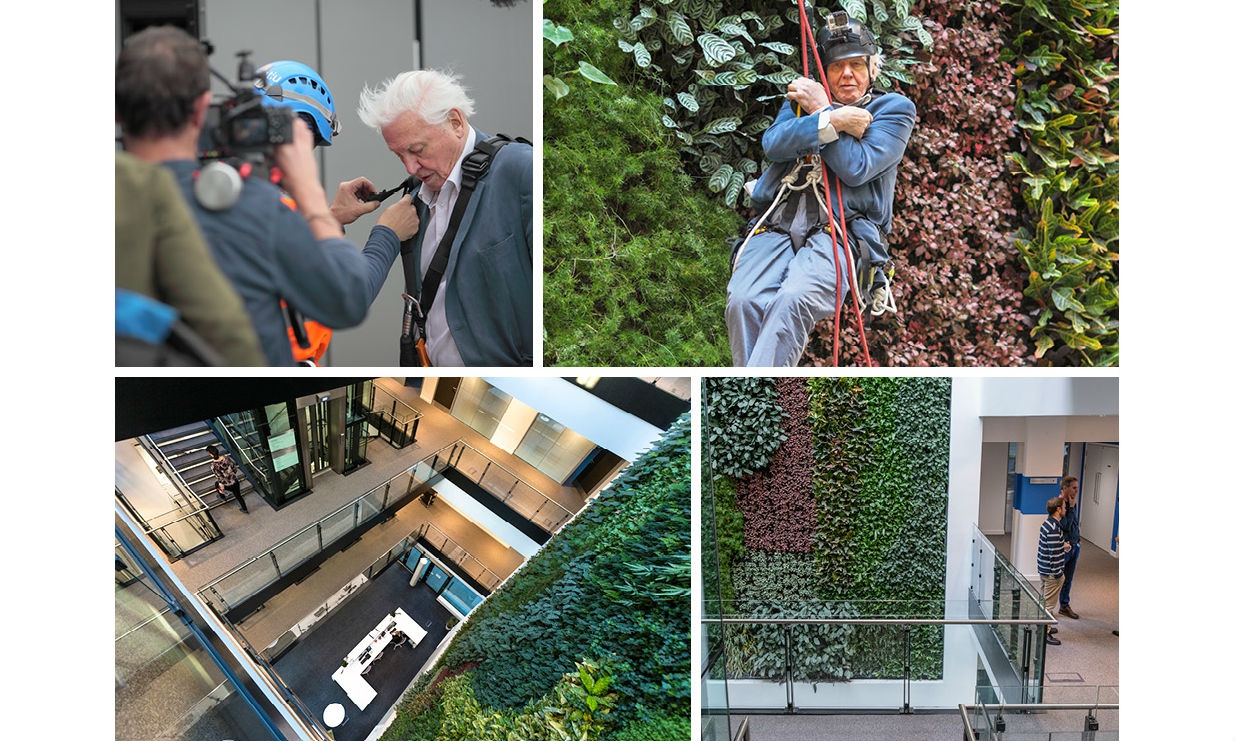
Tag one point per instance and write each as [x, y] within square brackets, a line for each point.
[243, 451]
[1037, 596]
[429, 525]
[877, 621]
[170, 470]
[397, 403]
[517, 477]
[1052, 706]
[317, 523]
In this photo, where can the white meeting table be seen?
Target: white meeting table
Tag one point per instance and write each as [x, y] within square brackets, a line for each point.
[366, 652]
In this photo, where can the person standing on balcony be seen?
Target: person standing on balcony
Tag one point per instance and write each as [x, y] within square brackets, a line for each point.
[227, 473]
[1052, 554]
[1071, 524]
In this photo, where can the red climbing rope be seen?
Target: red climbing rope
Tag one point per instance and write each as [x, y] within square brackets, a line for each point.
[808, 42]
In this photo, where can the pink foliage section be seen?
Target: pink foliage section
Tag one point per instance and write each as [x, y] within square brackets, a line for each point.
[779, 504]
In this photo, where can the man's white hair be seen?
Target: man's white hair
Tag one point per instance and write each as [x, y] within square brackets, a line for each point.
[427, 93]
[876, 64]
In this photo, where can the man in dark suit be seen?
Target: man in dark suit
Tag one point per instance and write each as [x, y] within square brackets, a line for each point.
[481, 313]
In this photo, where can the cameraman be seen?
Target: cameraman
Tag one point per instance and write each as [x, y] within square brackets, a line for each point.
[269, 252]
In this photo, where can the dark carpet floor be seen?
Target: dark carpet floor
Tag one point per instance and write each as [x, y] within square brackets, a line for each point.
[307, 667]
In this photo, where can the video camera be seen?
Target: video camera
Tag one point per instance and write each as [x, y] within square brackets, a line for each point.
[241, 127]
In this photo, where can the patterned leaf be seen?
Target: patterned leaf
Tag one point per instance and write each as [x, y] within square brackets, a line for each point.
[679, 28]
[722, 125]
[642, 56]
[736, 181]
[716, 50]
[779, 47]
[855, 8]
[688, 102]
[720, 179]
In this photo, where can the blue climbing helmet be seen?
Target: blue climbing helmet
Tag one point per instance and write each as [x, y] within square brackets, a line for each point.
[297, 86]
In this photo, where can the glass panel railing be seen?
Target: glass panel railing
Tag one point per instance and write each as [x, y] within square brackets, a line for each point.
[815, 653]
[459, 556]
[1082, 721]
[531, 503]
[713, 695]
[392, 419]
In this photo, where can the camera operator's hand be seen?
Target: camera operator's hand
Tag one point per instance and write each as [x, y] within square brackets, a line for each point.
[349, 203]
[299, 168]
[401, 217]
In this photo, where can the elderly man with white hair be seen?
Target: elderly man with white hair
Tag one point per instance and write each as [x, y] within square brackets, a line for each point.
[785, 275]
[468, 270]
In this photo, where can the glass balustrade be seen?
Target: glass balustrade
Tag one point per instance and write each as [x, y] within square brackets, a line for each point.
[394, 421]
[263, 571]
[531, 503]
[1093, 717]
[811, 655]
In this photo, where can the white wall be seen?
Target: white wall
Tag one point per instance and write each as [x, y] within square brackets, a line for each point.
[620, 432]
[994, 494]
[513, 425]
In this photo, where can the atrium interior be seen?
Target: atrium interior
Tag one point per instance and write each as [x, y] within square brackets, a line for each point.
[380, 512]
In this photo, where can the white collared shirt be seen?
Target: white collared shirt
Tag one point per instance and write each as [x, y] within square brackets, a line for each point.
[440, 345]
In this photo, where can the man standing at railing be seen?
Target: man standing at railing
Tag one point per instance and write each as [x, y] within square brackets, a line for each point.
[1071, 524]
[1052, 553]
[226, 472]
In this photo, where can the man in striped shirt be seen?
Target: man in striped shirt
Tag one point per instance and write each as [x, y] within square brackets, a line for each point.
[1052, 553]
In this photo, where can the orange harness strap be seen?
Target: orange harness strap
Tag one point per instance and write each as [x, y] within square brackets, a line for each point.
[319, 334]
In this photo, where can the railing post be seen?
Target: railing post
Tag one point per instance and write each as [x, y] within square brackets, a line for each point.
[908, 648]
[788, 669]
[415, 426]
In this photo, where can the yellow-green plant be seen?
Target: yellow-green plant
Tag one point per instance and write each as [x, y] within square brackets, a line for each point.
[1067, 105]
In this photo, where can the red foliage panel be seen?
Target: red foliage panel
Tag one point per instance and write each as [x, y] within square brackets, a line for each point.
[779, 504]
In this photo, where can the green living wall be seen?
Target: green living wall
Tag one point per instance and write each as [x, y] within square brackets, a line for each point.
[1005, 233]
[848, 518]
[591, 638]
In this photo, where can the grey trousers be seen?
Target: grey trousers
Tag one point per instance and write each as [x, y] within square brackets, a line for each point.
[775, 297]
